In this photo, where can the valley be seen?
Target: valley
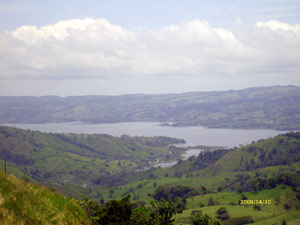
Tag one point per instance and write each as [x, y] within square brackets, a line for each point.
[104, 167]
[221, 157]
[149, 112]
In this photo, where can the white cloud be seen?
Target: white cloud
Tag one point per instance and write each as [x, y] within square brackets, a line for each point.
[277, 25]
[89, 48]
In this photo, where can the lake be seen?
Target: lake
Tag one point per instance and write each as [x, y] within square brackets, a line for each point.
[192, 135]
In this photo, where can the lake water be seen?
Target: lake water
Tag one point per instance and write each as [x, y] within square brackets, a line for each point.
[192, 135]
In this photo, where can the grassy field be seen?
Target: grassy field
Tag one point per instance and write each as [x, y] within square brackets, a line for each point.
[22, 202]
[269, 214]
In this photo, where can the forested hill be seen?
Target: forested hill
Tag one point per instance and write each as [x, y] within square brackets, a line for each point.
[274, 107]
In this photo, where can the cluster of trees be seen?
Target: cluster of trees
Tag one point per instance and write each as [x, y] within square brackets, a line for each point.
[172, 193]
[123, 212]
[292, 134]
[203, 160]
[197, 218]
[292, 180]
[207, 158]
[17, 159]
[239, 220]
[283, 152]
[168, 201]
[246, 183]
[157, 141]
[177, 195]
[222, 213]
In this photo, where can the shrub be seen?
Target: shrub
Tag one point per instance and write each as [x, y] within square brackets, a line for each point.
[222, 213]
[200, 219]
[257, 207]
[211, 202]
[287, 206]
[239, 220]
[224, 216]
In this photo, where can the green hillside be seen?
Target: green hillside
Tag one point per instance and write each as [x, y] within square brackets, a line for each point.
[274, 107]
[281, 150]
[79, 158]
[268, 169]
[264, 157]
[22, 202]
[105, 168]
[272, 213]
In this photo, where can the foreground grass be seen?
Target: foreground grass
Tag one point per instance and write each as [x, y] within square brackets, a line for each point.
[22, 202]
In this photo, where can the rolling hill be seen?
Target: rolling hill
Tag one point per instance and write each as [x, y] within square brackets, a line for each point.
[79, 158]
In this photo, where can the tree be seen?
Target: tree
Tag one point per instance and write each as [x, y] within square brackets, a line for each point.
[116, 212]
[222, 213]
[92, 209]
[177, 195]
[200, 219]
[257, 207]
[102, 202]
[244, 197]
[211, 202]
[239, 220]
[120, 209]
[287, 206]
[283, 222]
[141, 216]
[119, 212]
[163, 211]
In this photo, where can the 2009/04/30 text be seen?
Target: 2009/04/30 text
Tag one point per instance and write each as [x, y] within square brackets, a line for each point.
[255, 202]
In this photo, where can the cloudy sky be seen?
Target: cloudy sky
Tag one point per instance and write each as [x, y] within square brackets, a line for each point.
[123, 47]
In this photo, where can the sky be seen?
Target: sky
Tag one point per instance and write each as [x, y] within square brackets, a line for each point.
[124, 47]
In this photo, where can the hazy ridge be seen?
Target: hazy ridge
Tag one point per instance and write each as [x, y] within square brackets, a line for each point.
[274, 107]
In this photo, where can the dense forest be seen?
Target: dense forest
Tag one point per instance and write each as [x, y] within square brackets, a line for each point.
[265, 107]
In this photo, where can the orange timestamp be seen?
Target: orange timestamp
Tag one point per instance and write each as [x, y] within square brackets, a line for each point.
[255, 202]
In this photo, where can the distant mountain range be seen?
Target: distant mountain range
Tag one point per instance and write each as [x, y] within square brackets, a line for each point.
[276, 107]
